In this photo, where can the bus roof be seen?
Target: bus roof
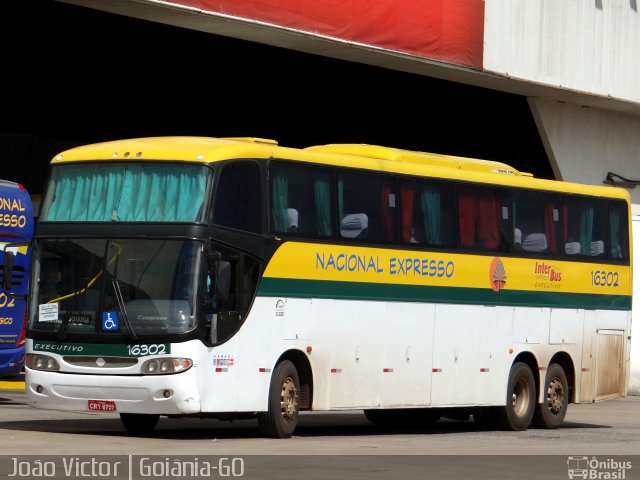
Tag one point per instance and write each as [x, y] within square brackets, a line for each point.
[364, 156]
[9, 184]
[422, 158]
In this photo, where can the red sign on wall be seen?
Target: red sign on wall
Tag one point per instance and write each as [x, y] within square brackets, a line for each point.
[446, 30]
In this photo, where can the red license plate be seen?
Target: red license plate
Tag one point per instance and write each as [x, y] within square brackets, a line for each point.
[101, 405]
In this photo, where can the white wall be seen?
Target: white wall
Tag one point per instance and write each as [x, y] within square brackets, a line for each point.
[588, 46]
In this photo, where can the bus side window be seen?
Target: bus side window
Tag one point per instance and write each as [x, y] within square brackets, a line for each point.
[618, 230]
[584, 227]
[367, 206]
[427, 209]
[300, 200]
[536, 221]
[237, 202]
[482, 217]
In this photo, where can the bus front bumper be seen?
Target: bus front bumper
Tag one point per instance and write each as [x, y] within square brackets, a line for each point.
[175, 394]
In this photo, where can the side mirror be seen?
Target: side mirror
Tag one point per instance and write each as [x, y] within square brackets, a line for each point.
[7, 280]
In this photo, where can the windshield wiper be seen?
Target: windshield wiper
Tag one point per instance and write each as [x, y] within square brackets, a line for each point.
[120, 299]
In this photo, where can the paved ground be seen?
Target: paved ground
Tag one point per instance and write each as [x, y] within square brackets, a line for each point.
[604, 430]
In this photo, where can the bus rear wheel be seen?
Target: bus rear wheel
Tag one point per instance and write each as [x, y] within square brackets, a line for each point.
[551, 412]
[139, 422]
[520, 402]
[284, 402]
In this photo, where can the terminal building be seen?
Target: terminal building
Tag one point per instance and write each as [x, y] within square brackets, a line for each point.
[548, 87]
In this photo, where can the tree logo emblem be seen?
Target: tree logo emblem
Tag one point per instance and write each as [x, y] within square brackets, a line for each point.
[497, 275]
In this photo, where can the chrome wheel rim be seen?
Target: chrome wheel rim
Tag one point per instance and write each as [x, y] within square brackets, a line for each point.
[555, 396]
[520, 397]
[289, 400]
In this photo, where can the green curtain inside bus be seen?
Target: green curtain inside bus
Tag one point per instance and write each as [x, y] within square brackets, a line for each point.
[279, 202]
[430, 204]
[322, 194]
[614, 226]
[128, 193]
[586, 230]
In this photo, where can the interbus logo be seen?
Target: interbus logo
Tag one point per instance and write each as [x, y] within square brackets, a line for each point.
[549, 272]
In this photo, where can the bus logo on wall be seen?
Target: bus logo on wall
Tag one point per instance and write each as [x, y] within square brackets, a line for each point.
[497, 275]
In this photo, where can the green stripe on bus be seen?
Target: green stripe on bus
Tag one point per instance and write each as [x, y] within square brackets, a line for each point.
[106, 349]
[384, 292]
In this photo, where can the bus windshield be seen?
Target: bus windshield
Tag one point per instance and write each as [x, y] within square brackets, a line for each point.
[129, 192]
[116, 287]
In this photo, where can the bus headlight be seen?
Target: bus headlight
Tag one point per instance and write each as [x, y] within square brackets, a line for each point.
[163, 366]
[42, 362]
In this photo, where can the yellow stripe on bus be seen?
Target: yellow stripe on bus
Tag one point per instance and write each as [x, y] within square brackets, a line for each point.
[312, 261]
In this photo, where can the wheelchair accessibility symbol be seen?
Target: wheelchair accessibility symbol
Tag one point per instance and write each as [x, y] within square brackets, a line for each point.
[109, 321]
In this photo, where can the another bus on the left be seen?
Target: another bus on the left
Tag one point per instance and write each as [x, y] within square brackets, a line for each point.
[16, 231]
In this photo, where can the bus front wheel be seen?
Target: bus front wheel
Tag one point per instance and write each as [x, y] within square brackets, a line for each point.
[284, 402]
[139, 422]
[550, 413]
[521, 399]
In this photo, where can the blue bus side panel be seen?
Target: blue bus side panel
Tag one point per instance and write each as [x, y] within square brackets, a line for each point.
[21, 266]
[16, 213]
[12, 356]
[16, 232]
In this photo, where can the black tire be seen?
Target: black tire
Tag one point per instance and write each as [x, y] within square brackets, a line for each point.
[551, 413]
[520, 401]
[417, 417]
[284, 402]
[139, 422]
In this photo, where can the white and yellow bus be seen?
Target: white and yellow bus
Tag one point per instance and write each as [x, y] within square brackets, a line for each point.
[234, 278]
